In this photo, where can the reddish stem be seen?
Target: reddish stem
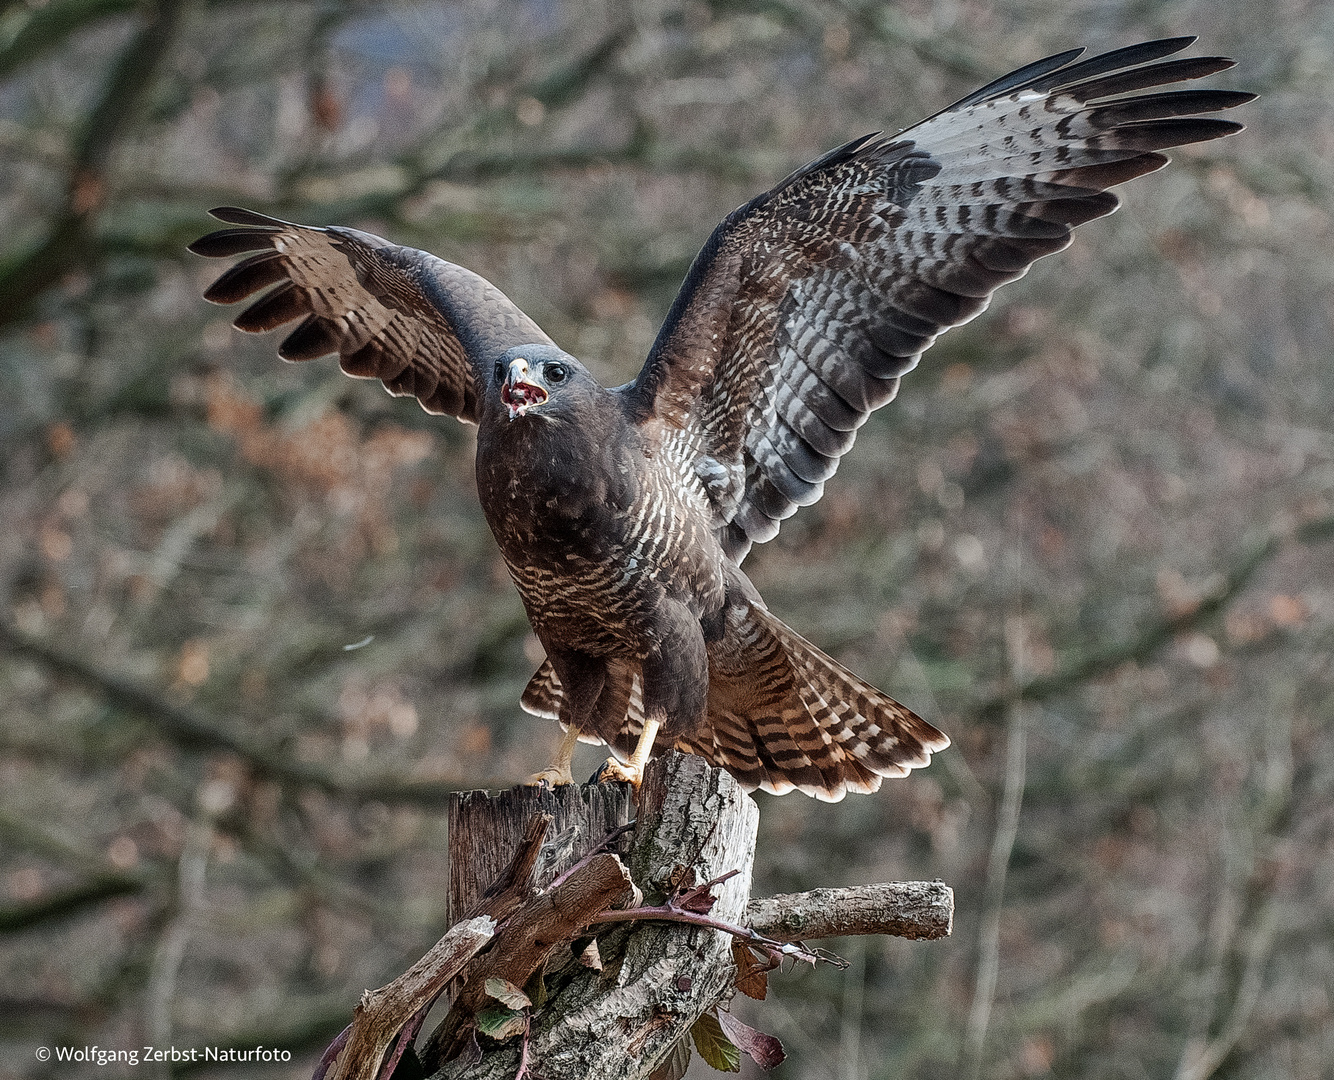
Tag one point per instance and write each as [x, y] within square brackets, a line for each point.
[668, 913]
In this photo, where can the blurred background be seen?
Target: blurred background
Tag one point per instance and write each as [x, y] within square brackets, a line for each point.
[1093, 540]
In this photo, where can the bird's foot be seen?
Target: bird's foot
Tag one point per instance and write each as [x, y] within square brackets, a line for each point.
[632, 771]
[558, 774]
[552, 776]
[621, 772]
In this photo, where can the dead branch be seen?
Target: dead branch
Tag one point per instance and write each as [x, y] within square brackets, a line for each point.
[388, 1018]
[910, 909]
[191, 728]
[535, 931]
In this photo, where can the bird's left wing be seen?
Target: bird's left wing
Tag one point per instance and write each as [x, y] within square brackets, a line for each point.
[425, 327]
[808, 304]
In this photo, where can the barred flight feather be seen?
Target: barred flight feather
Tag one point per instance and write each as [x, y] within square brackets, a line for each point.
[940, 215]
[417, 323]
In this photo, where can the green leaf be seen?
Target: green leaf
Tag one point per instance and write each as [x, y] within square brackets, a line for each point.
[715, 1047]
[500, 1023]
[507, 993]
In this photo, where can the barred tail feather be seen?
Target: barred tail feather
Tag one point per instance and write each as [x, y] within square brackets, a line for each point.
[782, 715]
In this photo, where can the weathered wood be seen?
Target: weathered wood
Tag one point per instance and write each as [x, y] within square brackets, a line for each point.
[382, 1014]
[546, 922]
[484, 830]
[693, 826]
[657, 978]
[911, 909]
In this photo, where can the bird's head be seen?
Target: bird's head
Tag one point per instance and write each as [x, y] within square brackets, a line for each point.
[536, 379]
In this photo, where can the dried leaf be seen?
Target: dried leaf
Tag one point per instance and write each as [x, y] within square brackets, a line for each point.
[590, 957]
[536, 988]
[674, 1065]
[713, 1046]
[752, 974]
[500, 1023]
[698, 900]
[765, 1050]
[472, 1050]
[507, 993]
[331, 1054]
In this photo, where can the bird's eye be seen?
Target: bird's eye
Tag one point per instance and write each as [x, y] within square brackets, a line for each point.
[498, 372]
[556, 372]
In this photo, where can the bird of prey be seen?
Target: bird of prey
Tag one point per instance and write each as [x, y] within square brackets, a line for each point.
[624, 514]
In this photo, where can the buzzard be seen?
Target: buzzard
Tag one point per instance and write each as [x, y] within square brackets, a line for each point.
[624, 514]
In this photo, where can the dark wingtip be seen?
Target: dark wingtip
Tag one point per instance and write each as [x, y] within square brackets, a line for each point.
[228, 242]
[237, 215]
[1019, 77]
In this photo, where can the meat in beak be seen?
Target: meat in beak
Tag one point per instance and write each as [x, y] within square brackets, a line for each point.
[517, 392]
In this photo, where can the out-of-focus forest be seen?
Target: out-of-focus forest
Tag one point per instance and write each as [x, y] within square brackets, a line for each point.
[1093, 540]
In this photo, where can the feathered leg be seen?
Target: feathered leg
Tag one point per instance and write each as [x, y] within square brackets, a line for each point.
[581, 679]
[675, 685]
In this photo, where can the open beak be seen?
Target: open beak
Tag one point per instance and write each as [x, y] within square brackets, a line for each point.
[518, 394]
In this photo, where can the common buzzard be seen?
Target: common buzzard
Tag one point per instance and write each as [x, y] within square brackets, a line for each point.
[624, 514]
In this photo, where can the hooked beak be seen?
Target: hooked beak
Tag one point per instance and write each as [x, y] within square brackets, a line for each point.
[517, 393]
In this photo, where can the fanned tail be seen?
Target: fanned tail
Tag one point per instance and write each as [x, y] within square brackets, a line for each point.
[784, 715]
[781, 714]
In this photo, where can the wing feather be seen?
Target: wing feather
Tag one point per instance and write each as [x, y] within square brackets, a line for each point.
[425, 327]
[808, 304]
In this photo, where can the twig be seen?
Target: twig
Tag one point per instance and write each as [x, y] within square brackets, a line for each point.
[669, 913]
[70, 240]
[171, 949]
[1158, 633]
[192, 729]
[68, 902]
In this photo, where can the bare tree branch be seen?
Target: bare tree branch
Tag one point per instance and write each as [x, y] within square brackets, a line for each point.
[911, 909]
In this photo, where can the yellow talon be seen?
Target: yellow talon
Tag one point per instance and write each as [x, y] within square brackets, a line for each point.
[632, 771]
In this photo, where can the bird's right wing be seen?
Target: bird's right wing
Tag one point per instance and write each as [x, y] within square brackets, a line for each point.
[425, 327]
[809, 303]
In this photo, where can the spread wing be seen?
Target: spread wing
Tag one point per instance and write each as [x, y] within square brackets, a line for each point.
[808, 304]
[425, 327]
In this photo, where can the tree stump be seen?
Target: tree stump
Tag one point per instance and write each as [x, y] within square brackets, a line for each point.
[693, 821]
[592, 944]
[485, 830]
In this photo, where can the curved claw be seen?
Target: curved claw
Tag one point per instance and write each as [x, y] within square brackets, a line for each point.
[558, 772]
[620, 772]
[631, 771]
[551, 776]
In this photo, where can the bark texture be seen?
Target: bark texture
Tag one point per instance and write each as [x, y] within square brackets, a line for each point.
[911, 909]
[485, 829]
